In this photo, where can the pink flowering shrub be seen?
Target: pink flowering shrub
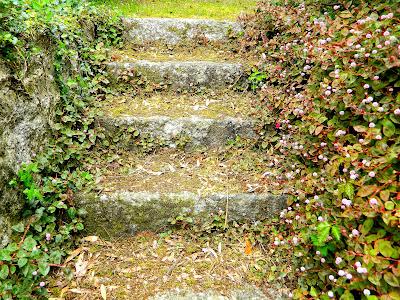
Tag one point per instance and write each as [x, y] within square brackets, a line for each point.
[329, 80]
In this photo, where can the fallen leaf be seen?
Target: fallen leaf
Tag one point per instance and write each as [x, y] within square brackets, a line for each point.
[103, 291]
[248, 249]
[74, 254]
[91, 239]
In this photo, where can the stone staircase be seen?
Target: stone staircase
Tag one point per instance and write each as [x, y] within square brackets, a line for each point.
[193, 111]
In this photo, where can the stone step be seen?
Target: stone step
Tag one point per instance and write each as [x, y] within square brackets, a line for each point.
[175, 31]
[185, 75]
[142, 192]
[193, 131]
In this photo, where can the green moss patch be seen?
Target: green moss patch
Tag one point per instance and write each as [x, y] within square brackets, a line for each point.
[210, 9]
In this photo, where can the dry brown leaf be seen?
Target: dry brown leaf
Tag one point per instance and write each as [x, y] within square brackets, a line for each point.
[103, 291]
[91, 239]
[74, 254]
[81, 266]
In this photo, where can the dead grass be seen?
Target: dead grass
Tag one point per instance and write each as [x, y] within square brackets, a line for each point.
[148, 264]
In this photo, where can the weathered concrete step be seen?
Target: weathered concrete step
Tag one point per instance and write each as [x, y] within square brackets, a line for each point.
[125, 213]
[174, 31]
[194, 130]
[209, 104]
[244, 293]
[185, 75]
[140, 192]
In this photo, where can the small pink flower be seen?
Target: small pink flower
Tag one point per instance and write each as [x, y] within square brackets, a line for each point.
[373, 202]
[338, 260]
[355, 232]
[366, 86]
[42, 284]
[371, 174]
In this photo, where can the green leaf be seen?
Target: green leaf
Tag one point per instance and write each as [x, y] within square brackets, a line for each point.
[336, 232]
[4, 270]
[313, 292]
[347, 295]
[367, 226]
[389, 128]
[29, 243]
[5, 255]
[44, 268]
[385, 248]
[22, 262]
[19, 227]
[349, 190]
[391, 279]
[389, 205]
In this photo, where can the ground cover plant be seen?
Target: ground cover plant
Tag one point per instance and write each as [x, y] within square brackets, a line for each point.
[50, 218]
[329, 80]
[210, 9]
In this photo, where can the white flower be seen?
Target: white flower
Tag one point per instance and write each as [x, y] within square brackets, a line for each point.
[321, 219]
[368, 36]
[367, 292]
[302, 269]
[375, 52]
[353, 64]
[386, 33]
[331, 277]
[366, 86]
[336, 7]
[355, 232]
[397, 111]
[327, 93]
[316, 197]
[361, 270]
[349, 91]
[378, 137]
[341, 273]
[330, 294]
[371, 174]
[338, 260]
[371, 125]
[349, 276]
[357, 264]
[341, 112]
[322, 260]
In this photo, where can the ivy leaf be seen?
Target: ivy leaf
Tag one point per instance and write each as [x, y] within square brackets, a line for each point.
[391, 279]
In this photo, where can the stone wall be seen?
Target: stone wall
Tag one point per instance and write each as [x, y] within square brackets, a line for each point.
[28, 95]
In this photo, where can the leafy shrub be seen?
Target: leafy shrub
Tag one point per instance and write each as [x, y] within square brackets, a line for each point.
[76, 33]
[331, 89]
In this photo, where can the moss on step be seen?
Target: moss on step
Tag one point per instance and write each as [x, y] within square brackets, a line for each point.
[219, 9]
[207, 105]
[170, 171]
[188, 52]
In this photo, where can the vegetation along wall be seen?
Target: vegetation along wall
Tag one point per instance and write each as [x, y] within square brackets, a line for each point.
[329, 80]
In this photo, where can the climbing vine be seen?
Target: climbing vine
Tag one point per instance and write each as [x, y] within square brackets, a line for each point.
[329, 80]
[77, 35]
